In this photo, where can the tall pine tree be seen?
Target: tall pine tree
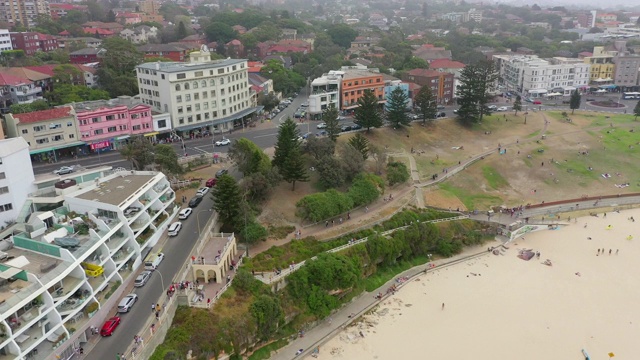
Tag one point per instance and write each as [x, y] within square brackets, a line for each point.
[636, 110]
[227, 198]
[294, 168]
[397, 108]
[286, 141]
[517, 104]
[426, 103]
[574, 101]
[367, 114]
[330, 118]
[474, 91]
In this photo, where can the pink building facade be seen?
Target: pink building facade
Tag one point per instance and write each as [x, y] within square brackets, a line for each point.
[107, 125]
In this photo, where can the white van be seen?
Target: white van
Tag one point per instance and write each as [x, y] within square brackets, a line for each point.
[153, 260]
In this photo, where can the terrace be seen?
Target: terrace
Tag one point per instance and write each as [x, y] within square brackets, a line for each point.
[118, 190]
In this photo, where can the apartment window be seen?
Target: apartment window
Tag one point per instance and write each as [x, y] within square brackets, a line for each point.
[186, 86]
[213, 93]
[123, 127]
[25, 131]
[187, 97]
[196, 96]
[205, 105]
[221, 81]
[212, 82]
[223, 102]
[2, 176]
[221, 92]
[204, 83]
[42, 141]
[111, 129]
[111, 117]
[180, 120]
[198, 117]
[220, 71]
[39, 128]
[179, 98]
[213, 104]
[224, 112]
[177, 87]
[215, 114]
[6, 207]
[181, 76]
[162, 123]
[197, 106]
[179, 109]
[57, 138]
[136, 127]
[98, 132]
[189, 119]
[189, 108]
[195, 84]
[206, 116]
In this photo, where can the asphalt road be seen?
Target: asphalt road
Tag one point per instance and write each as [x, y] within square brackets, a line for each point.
[176, 251]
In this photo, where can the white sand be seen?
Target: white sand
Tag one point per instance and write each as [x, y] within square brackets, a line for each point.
[516, 309]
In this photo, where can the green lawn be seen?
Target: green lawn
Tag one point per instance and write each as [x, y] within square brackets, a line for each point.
[493, 177]
[471, 200]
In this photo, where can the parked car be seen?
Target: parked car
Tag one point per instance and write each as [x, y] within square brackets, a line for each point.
[223, 142]
[304, 136]
[63, 170]
[131, 210]
[591, 99]
[441, 114]
[455, 111]
[414, 116]
[356, 127]
[202, 191]
[221, 172]
[142, 278]
[321, 126]
[440, 107]
[127, 303]
[195, 201]
[175, 228]
[537, 102]
[503, 108]
[184, 213]
[322, 133]
[492, 107]
[345, 128]
[110, 326]
[211, 182]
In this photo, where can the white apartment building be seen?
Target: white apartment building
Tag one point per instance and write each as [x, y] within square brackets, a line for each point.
[199, 95]
[532, 76]
[64, 270]
[325, 91]
[5, 40]
[16, 180]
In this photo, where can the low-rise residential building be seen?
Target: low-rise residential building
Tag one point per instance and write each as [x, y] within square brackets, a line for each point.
[174, 52]
[45, 131]
[430, 53]
[107, 124]
[111, 26]
[202, 94]
[16, 179]
[128, 18]
[88, 77]
[32, 42]
[325, 91]
[441, 83]
[67, 42]
[62, 258]
[532, 76]
[85, 56]
[59, 11]
[5, 40]
[602, 66]
[17, 90]
[140, 34]
[355, 81]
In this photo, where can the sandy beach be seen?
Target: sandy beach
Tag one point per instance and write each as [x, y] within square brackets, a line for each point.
[503, 307]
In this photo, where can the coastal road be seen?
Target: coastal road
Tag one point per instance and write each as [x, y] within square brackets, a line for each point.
[176, 251]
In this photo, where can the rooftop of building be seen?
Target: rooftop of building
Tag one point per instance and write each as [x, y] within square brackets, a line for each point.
[117, 190]
[358, 73]
[173, 67]
[11, 146]
[425, 72]
[44, 115]
[128, 101]
[86, 51]
[163, 47]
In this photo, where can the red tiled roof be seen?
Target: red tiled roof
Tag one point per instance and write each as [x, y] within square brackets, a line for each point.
[446, 64]
[10, 80]
[65, 32]
[284, 49]
[48, 68]
[97, 31]
[44, 115]
[424, 72]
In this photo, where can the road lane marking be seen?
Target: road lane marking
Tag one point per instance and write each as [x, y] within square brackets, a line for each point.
[261, 136]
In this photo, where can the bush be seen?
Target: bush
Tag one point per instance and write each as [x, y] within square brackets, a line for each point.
[320, 206]
[253, 232]
[365, 189]
[397, 173]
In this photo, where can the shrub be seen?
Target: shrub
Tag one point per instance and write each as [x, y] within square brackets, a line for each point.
[365, 189]
[320, 206]
[253, 232]
[397, 173]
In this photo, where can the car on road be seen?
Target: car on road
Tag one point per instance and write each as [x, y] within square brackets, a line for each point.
[63, 170]
[202, 191]
[223, 142]
[221, 172]
[110, 326]
[211, 182]
[356, 127]
[440, 107]
[184, 213]
[127, 303]
[322, 133]
[175, 228]
[455, 111]
[492, 107]
[537, 102]
[441, 114]
[195, 201]
[503, 108]
[304, 136]
[142, 279]
[321, 126]
[591, 99]
[345, 128]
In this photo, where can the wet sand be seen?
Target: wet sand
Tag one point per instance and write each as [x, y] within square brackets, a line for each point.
[512, 308]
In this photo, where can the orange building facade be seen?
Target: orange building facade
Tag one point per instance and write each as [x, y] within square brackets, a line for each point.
[355, 82]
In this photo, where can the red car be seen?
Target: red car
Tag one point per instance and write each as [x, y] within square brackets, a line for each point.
[211, 182]
[110, 326]
[537, 102]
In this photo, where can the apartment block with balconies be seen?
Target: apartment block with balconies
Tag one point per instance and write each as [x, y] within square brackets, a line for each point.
[325, 91]
[67, 267]
[354, 84]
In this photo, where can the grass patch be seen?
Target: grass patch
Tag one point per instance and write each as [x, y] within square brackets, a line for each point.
[620, 140]
[493, 177]
[280, 232]
[384, 274]
[265, 352]
[470, 200]
[533, 134]
[605, 120]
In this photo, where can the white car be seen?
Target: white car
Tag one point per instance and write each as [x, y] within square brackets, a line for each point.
[321, 126]
[63, 170]
[184, 213]
[223, 142]
[174, 228]
[202, 191]
[503, 108]
[492, 107]
[142, 278]
[127, 303]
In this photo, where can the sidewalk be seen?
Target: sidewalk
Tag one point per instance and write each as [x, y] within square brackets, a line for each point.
[344, 316]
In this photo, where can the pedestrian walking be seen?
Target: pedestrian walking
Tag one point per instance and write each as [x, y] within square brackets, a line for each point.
[326, 223]
[157, 315]
[609, 251]
[158, 307]
[442, 306]
[617, 251]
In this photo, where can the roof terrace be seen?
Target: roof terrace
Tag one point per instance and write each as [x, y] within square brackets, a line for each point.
[118, 189]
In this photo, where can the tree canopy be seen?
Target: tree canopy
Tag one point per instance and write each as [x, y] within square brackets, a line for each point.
[367, 114]
[342, 35]
[330, 118]
[397, 108]
[138, 151]
[227, 199]
[474, 91]
[574, 101]
[426, 103]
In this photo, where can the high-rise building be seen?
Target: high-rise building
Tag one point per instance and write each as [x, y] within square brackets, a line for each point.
[627, 74]
[441, 83]
[200, 95]
[24, 12]
[16, 180]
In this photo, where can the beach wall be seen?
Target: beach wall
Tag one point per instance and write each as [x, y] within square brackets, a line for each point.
[525, 230]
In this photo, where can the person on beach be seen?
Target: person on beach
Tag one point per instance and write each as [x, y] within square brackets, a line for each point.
[442, 306]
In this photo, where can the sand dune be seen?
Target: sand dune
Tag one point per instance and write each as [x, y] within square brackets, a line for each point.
[503, 307]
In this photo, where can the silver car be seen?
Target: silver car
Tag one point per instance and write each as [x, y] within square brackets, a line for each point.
[127, 303]
[142, 279]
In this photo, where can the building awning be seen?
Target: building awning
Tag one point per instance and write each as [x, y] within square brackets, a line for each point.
[227, 119]
[123, 137]
[569, 88]
[538, 91]
[607, 86]
[53, 148]
[152, 133]
[602, 80]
